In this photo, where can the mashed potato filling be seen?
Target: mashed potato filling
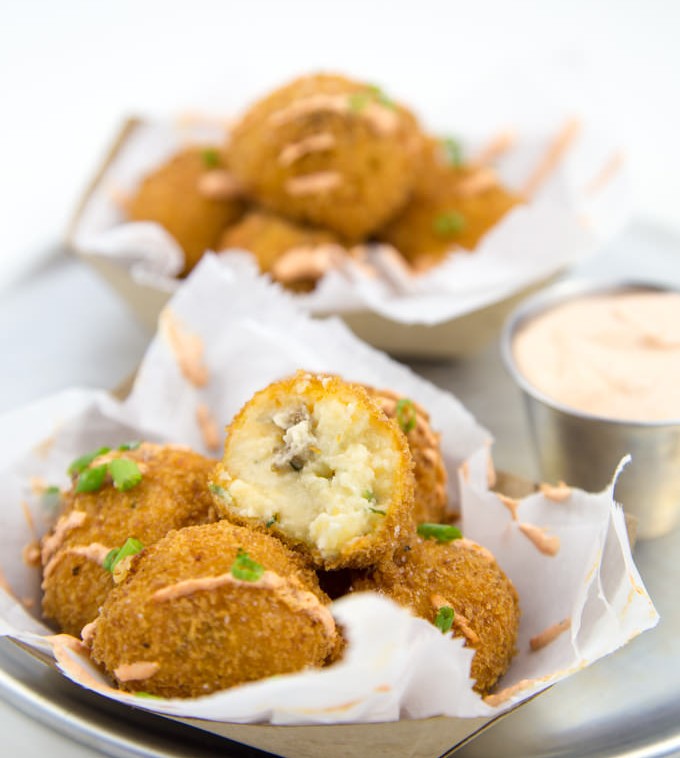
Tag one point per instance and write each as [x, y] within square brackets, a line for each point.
[319, 469]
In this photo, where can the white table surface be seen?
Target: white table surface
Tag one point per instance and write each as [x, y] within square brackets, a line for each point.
[70, 71]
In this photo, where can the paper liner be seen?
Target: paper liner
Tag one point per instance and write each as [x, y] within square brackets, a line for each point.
[396, 666]
[567, 218]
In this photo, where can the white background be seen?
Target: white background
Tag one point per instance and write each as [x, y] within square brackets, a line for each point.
[70, 71]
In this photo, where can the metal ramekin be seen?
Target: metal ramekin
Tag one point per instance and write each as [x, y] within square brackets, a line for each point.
[583, 449]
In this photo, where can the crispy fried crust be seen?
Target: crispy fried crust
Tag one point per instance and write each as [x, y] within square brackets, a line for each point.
[173, 493]
[171, 196]
[210, 638]
[430, 473]
[464, 576]
[337, 484]
[420, 231]
[269, 236]
[361, 149]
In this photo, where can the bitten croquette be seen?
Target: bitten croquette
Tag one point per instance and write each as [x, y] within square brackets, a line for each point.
[316, 461]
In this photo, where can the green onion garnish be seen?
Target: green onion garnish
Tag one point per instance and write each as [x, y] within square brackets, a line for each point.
[380, 96]
[51, 497]
[444, 619]
[91, 479]
[369, 495]
[211, 157]
[452, 151]
[125, 473]
[245, 568]
[406, 414]
[141, 693]
[271, 521]
[439, 532]
[448, 224]
[131, 546]
[377, 510]
[80, 464]
[358, 101]
[129, 446]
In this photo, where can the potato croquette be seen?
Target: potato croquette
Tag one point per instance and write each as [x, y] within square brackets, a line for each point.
[328, 151]
[452, 206]
[209, 607]
[462, 576]
[429, 470]
[278, 244]
[172, 492]
[193, 197]
[316, 461]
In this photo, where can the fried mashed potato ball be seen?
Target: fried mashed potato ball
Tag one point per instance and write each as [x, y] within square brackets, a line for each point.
[465, 577]
[173, 492]
[429, 469]
[315, 460]
[453, 206]
[295, 255]
[328, 151]
[209, 607]
[193, 196]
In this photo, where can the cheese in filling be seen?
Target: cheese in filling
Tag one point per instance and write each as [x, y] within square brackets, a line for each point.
[320, 471]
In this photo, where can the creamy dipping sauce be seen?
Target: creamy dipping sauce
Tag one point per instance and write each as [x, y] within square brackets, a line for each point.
[612, 355]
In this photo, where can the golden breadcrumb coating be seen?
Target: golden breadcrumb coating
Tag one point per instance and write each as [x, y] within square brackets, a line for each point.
[429, 470]
[316, 461]
[269, 237]
[186, 622]
[328, 151]
[428, 575]
[452, 206]
[180, 195]
[173, 492]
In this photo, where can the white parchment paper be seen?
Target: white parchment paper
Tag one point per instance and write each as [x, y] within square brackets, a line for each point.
[567, 219]
[396, 665]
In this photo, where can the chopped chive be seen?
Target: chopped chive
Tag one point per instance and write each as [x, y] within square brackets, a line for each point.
[218, 490]
[452, 151]
[81, 463]
[271, 521]
[406, 414]
[51, 497]
[369, 495]
[210, 157]
[125, 474]
[131, 546]
[439, 532]
[129, 446]
[444, 619]
[448, 224]
[358, 101]
[377, 510]
[141, 693]
[245, 568]
[91, 479]
[380, 96]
